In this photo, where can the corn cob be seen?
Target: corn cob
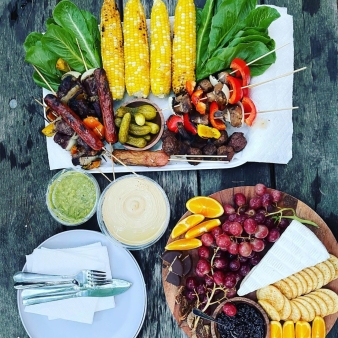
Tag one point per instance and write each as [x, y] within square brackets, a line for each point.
[160, 50]
[184, 45]
[111, 48]
[136, 50]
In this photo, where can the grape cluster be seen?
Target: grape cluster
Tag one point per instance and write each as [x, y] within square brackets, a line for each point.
[229, 251]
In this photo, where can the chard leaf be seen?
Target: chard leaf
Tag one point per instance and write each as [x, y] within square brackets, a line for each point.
[59, 40]
[249, 38]
[69, 16]
[32, 39]
[50, 21]
[198, 17]
[52, 80]
[203, 32]
[262, 17]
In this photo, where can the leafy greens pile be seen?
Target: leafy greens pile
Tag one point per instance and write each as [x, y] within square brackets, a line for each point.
[68, 26]
[227, 29]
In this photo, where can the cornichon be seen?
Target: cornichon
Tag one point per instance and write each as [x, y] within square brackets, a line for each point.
[139, 119]
[139, 130]
[138, 142]
[147, 110]
[118, 121]
[124, 128]
[154, 128]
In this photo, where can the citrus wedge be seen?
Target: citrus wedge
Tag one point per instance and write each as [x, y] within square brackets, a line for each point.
[318, 328]
[185, 224]
[289, 329]
[206, 206]
[275, 329]
[303, 329]
[184, 244]
[202, 228]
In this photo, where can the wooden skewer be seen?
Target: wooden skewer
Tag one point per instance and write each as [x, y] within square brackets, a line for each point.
[273, 110]
[83, 60]
[111, 154]
[261, 57]
[39, 102]
[112, 162]
[102, 173]
[43, 78]
[198, 161]
[200, 156]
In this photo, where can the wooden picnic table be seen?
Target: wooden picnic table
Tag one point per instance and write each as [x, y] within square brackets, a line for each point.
[310, 176]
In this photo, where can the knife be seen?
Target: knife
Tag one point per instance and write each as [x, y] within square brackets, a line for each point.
[47, 290]
[98, 291]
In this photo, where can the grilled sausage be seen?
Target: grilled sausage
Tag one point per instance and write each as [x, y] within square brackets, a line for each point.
[145, 158]
[106, 103]
[74, 122]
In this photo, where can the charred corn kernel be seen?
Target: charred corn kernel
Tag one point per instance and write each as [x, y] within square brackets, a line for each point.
[136, 50]
[184, 45]
[112, 48]
[160, 50]
[62, 65]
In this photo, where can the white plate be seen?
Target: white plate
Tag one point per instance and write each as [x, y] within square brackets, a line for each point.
[123, 321]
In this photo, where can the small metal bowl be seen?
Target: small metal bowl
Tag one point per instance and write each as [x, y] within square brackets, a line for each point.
[218, 310]
[159, 120]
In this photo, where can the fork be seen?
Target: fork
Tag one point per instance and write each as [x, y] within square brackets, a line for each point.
[84, 277]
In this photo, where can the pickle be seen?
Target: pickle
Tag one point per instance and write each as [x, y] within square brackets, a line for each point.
[118, 121]
[148, 111]
[139, 130]
[124, 127]
[139, 119]
[138, 142]
[154, 128]
[147, 137]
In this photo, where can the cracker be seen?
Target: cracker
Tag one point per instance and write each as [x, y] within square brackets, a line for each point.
[334, 260]
[269, 309]
[320, 277]
[298, 283]
[307, 312]
[284, 288]
[271, 294]
[292, 286]
[311, 302]
[325, 271]
[303, 282]
[295, 312]
[333, 296]
[332, 269]
[313, 276]
[286, 310]
[308, 280]
[322, 305]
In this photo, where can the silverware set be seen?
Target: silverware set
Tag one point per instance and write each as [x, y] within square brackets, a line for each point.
[41, 288]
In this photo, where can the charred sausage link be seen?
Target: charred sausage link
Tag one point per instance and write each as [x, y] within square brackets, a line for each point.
[106, 103]
[74, 122]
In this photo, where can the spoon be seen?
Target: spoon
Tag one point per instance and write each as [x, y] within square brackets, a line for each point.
[201, 314]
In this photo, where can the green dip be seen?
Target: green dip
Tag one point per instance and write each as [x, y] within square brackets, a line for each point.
[72, 197]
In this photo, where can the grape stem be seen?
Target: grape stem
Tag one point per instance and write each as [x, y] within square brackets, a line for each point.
[294, 216]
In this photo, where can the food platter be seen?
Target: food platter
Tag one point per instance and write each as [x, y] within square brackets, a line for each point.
[302, 210]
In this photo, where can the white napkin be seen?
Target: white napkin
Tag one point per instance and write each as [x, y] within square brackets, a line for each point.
[69, 262]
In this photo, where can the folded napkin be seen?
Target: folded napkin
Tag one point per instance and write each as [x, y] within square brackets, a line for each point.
[69, 262]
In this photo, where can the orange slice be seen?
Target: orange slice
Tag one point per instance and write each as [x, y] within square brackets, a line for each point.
[303, 329]
[185, 224]
[206, 206]
[318, 328]
[202, 228]
[184, 244]
[275, 329]
[288, 329]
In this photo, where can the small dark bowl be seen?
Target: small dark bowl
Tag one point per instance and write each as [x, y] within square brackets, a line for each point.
[214, 330]
[159, 119]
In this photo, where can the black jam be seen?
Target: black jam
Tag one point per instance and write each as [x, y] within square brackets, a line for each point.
[247, 323]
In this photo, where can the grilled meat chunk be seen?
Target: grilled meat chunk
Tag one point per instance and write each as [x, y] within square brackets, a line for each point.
[237, 141]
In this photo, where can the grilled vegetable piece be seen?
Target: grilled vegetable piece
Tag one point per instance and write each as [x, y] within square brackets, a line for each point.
[184, 45]
[160, 50]
[136, 50]
[112, 48]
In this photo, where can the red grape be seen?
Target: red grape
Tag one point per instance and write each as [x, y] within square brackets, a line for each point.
[226, 227]
[218, 277]
[199, 273]
[266, 200]
[216, 231]
[240, 199]
[207, 239]
[255, 203]
[260, 189]
[235, 228]
[284, 223]
[257, 245]
[190, 295]
[203, 266]
[229, 309]
[233, 248]
[259, 217]
[250, 226]
[223, 241]
[273, 235]
[255, 260]
[244, 269]
[269, 222]
[209, 281]
[238, 276]
[203, 252]
[245, 249]
[200, 289]
[276, 195]
[242, 259]
[191, 283]
[262, 231]
[232, 217]
[231, 293]
[229, 209]
[221, 263]
[230, 280]
[234, 265]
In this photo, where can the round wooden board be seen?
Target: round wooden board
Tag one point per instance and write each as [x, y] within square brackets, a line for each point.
[302, 210]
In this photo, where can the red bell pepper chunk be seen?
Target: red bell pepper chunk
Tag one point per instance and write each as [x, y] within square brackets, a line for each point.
[242, 70]
[190, 86]
[201, 107]
[188, 124]
[196, 96]
[250, 111]
[235, 90]
[218, 124]
[173, 122]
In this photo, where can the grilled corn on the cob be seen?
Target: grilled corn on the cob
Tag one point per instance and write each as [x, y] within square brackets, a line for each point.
[112, 48]
[160, 50]
[184, 45]
[136, 50]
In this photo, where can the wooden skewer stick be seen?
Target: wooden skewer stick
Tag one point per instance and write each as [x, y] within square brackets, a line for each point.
[83, 60]
[198, 161]
[43, 78]
[275, 78]
[261, 57]
[102, 173]
[39, 102]
[111, 154]
[273, 110]
[112, 162]
[220, 156]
